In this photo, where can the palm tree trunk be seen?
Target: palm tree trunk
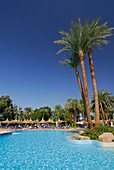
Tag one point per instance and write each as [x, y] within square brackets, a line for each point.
[58, 117]
[106, 114]
[80, 86]
[103, 117]
[105, 111]
[74, 117]
[83, 115]
[97, 121]
[77, 116]
[85, 90]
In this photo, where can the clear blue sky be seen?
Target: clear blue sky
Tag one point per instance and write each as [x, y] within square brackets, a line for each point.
[29, 68]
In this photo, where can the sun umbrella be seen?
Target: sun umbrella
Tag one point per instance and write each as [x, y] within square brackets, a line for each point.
[15, 121]
[43, 121]
[50, 121]
[25, 121]
[6, 121]
[30, 121]
[35, 121]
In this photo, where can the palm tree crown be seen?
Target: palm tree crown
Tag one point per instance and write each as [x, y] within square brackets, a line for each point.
[58, 109]
[28, 111]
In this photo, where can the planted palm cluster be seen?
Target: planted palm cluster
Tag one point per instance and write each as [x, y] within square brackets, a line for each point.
[80, 42]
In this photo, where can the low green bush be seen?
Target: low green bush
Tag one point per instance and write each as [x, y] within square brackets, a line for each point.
[77, 138]
[97, 131]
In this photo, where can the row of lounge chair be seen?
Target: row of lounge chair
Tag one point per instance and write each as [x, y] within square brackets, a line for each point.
[34, 127]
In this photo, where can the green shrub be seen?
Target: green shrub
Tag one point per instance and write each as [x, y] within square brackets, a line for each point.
[78, 138]
[97, 131]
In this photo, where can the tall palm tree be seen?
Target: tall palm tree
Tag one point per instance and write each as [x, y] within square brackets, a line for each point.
[76, 42]
[73, 104]
[58, 108]
[97, 35]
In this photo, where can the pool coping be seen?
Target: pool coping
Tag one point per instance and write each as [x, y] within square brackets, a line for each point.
[94, 142]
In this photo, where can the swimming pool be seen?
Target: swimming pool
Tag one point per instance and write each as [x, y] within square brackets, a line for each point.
[50, 149]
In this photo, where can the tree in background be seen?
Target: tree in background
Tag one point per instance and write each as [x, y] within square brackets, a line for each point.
[45, 112]
[27, 112]
[106, 103]
[35, 115]
[7, 108]
[15, 109]
[68, 115]
[54, 115]
[58, 108]
[2, 108]
[73, 106]
[21, 115]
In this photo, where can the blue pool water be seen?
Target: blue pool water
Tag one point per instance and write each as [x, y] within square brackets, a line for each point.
[50, 149]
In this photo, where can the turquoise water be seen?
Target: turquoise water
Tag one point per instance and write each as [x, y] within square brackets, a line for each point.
[50, 149]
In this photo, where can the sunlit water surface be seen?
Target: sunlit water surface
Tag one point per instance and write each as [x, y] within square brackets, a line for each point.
[50, 149]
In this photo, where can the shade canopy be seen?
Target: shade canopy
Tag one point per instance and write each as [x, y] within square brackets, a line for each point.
[6, 121]
[50, 121]
[25, 121]
[30, 121]
[35, 121]
[15, 121]
[43, 121]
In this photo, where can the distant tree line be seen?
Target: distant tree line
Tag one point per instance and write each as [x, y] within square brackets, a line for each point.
[72, 112]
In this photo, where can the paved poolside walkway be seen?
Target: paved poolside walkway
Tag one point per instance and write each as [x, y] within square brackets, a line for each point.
[103, 144]
[108, 144]
[5, 131]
